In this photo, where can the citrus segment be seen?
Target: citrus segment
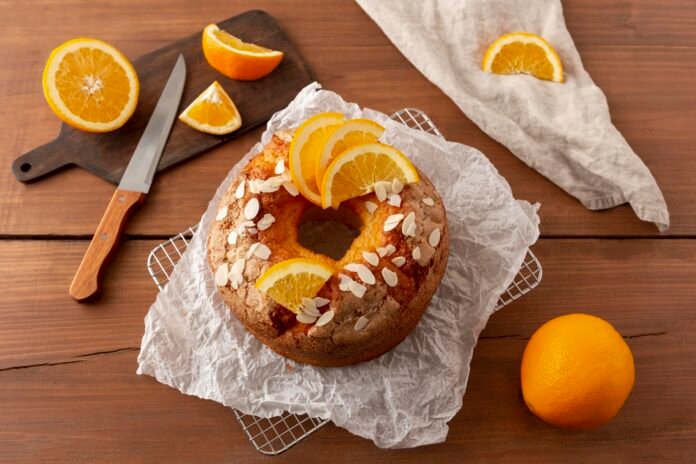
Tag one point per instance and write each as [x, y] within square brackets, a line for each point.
[305, 149]
[213, 112]
[349, 134]
[577, 371]
[355, 171]
[523, 53]
[90, 85]
[289, 281]
[235, 58]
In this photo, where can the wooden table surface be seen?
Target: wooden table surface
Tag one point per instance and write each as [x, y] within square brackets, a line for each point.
[68, 388]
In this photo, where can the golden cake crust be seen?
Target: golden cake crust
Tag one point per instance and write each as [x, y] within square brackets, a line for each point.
[393, 312]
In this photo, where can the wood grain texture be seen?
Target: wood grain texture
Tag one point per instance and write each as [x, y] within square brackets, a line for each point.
[107, 155]
[642, 53]
[68, 389]
[104, 244]
[86, 405]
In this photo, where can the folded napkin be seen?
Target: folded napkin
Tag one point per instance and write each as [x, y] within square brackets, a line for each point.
[564, 131]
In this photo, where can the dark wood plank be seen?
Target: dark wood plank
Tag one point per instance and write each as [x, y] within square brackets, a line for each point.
[98, 410]
[107, 155]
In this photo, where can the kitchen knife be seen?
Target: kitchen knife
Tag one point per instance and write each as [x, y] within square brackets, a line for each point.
[134, 185]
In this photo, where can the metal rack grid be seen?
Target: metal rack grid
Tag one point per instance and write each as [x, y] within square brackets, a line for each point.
[277, 434]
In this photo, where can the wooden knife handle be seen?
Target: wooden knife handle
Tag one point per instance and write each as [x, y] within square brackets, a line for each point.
[106, 238]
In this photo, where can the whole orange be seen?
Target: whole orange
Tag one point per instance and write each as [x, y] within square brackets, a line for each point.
[577, 372]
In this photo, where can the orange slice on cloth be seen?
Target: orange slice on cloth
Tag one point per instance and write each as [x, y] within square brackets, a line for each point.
[90, 85]
[356, 171]
[212, 112]
[523, 53]
[237, 59]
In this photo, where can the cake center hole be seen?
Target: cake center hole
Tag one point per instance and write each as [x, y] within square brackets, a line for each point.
[329, 232]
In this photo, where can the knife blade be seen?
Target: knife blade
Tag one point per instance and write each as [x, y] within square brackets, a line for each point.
[134, 185]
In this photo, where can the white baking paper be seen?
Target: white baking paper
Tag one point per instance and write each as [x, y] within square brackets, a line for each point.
[402, 399]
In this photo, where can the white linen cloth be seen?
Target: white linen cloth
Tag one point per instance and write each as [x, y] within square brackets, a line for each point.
[404, 398]
[564, 131]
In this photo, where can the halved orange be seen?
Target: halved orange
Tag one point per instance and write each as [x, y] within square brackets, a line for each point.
[235, 58]
[305, 149]
[523, 53]
[213, 112]
[90, 85]
[356, 171]
[349, 134]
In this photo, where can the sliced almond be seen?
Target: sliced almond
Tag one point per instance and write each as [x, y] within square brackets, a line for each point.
[252, 249]
[416, 253]
[325, 318]
[279, 167]
[221, 275]
[291, 189]
[397, 186]
[262, 251]
[363, 272]
[251, 209]
[395, 199]
[232, 237]
[357, 289]
[392, 222]
[390, 277]
[305, 318]
[411, 232]
[265, 222]
[252, 230]
[399, 261]
[361, 323]
[429, 201]
[238, 266]
[380, 191]
[320, 302]
[371, 207]
[221, 214]
[309, 307]
[344, 281]
[371, 257]
[390, 249]
[255, 185]
[408, 222]
[434, 237]
[239, 193]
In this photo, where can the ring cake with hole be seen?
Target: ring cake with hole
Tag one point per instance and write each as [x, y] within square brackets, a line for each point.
[386, 250]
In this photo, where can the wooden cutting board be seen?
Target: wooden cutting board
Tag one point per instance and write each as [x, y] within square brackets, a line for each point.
[107, 155]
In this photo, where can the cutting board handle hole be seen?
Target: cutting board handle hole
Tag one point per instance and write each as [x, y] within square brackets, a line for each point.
[25, 167]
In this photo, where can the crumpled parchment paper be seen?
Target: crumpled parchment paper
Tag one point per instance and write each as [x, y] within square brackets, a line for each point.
[402, 399]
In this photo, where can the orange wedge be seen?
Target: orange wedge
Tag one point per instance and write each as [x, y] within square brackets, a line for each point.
[349, 134]
[289, 281]
[212, 112]
[237, 59]
[305, 149]
[90, 85]
[523, 53]
[356, 171]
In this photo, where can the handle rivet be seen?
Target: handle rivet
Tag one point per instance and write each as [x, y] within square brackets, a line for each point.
[104, 236]
[122, 198]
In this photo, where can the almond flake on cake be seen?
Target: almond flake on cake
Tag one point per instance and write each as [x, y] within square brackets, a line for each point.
[361, 323]
[221, 214]
[251, 209]
[434, 238]
[392, 222]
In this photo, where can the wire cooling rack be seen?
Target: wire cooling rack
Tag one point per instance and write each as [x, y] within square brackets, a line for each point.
[277, 434]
